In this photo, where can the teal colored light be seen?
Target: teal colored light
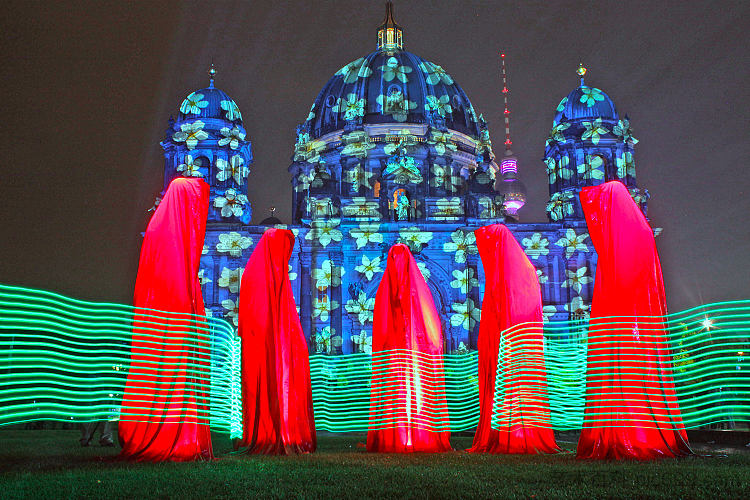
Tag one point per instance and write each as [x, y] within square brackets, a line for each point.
[66, 359]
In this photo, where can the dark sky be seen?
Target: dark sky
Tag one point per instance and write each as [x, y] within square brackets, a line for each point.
[88, 87]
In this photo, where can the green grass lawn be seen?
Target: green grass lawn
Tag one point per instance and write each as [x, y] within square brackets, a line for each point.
[51, 464]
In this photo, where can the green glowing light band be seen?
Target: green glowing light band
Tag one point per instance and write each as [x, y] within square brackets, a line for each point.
[66, 359]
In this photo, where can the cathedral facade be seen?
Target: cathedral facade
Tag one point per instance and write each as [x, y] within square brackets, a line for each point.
[392, 151]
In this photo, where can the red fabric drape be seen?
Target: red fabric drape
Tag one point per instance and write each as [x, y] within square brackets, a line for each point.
[277, 407]
[165, 408]
[408, 410]
[511, 297]
[631, 407]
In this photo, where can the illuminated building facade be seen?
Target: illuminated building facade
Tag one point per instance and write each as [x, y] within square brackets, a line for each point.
[392, 150]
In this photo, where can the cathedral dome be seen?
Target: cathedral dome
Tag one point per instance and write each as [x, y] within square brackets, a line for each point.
[392, 86]
[210, 102]
[586, 102]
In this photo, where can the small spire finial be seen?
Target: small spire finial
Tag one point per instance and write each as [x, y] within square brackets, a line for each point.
[390, 34]
[211, 75]
[581, 71]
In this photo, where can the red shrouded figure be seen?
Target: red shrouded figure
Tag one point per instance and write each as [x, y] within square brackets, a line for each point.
[165, 407]
[631, 407]
[512, 298]
[408, 410]
[277, 409]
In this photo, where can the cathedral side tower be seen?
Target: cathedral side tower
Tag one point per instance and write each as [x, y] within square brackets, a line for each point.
[588, 144]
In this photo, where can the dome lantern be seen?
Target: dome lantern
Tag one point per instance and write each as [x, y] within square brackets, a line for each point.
[390, 34]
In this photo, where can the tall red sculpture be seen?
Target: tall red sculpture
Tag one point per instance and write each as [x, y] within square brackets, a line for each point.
[631, 406]
[165, 407]
[277, 409]
[512, 306]
[408, 410]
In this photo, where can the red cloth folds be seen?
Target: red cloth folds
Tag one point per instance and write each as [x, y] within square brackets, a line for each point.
[165, 405]
[408, 409]
[277, 407]
[512, 298]
[631, 406]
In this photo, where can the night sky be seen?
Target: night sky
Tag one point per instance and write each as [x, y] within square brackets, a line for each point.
[87, 89]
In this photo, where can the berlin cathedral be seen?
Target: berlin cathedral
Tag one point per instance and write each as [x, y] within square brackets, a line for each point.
[392, 151]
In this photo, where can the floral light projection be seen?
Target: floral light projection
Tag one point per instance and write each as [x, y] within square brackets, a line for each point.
[441, 141]
[322, 308]
[424, 270]
[362, 308]
[592, 168]
[355, 69]
[233, 137]
[308, 150]
[558, 169]
[548, 311]
[440, 105]
[624, 132]
[193, 104]
[232, 310]
[560, 205]
[556, 133]
[233, 169]
[231, 278]
[351, 107]
[535, 246]
[191, 167]
[232, 204]
[363, 342]
[359, 177]
[324, 232]
[593, 130]
[577, 279]
[356, 144]
[625, 165]
[233, 243]
[191, 133]
[573, 242]
[324, 339]
[392, 70]
[590, 96]
[435, 73]
[443, 178]
[396, 105]
[361, 208]
[464, 280]
[466, 314]
[328, 275]
[541, 277]
[366, 233]
[369, 267]
[462, 243]
[231, 110]
[414, 237]
[202, 278]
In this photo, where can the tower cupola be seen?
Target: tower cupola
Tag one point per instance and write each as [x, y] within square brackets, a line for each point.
[390, 34]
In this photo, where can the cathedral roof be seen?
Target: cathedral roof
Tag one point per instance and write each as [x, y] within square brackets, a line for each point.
[586, 102]
[392, 86]
[210, 102]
